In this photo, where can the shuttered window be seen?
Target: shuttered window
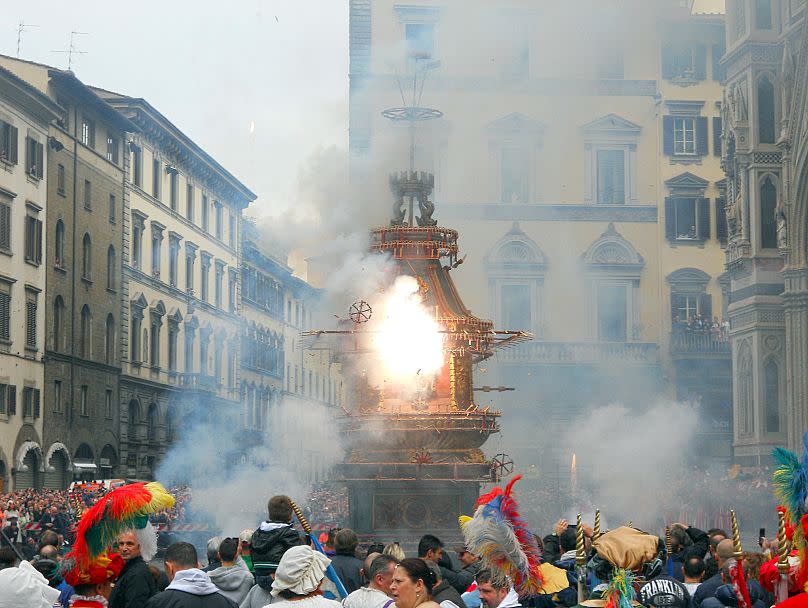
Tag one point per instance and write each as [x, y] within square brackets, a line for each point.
[8, 142]
[5, 311]
[684, 61]
[33, 240]
[37, 404]
[12, 399]
[717, 128]
[34, 157]
[30, 319]
[687, 219]
[3, 399]
[5, 226]
[721, 221]
[611, 177]
[685, 135]
[27, 402]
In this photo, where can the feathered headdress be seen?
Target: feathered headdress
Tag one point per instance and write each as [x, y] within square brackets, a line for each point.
[791, 487]
[125, 508]
[498, 535]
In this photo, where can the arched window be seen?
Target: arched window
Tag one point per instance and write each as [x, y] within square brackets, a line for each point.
[768, 222]
[59, 250]
[771, 383]
[58, 324]
[746, 420]
[152, 422]
[111, 273]
[86, 257]
[109, 340]
[85, 345]
[766, 119]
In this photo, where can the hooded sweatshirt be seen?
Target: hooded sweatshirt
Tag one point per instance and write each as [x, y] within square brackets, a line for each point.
[233, 581]
[269, 542]
[191, 588]
[511, 600]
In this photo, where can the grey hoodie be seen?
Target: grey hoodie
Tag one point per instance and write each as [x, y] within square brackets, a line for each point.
[193, 581]
[234, 582]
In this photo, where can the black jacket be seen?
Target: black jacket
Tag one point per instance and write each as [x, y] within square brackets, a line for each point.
[348, 569]
[172, 598]
[134, 586]
[268, 546]
[706, 589]
[725, 597]
[701, 543]
[444, 591]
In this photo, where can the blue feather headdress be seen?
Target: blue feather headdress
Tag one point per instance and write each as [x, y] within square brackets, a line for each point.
[791, 488]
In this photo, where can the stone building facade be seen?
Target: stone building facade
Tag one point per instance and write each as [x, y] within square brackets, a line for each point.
[25, 115]
[764, 149]
[585, 183]
[180, 323]
[82, 259]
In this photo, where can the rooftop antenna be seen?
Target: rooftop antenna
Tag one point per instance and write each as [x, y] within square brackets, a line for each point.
[411, 111]
[20, 29]
[73, 50]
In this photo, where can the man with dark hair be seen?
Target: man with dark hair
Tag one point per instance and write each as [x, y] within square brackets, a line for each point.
[686, 541]
[233, 578]
[189, 586]
[567, 544]
[430, 548]
[693, 570]
[715, 536]
[273, 537]
[495, 592]
[345, 562]
[48, 537]
[379, 571]
[724, 551]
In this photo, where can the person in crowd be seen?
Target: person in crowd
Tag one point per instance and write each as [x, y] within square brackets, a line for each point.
[374, 548]
[430, 548]
[470, 562]
[12, 529]
[49, 553]
[725, 597]
[686, 540]
[566, 544]
[233, 578]
[496, 593]
[664, 591]
[273, 537]
[412, 584]
[212, 553]
[724, 552]
[188, 587]
[93, 585]
[693, 571]
[378, 570]
[135, 584]
[711, 567]
[443, 593]
[246, 549]
[298, 578]
[344, 561]
[394, 550]
[22, 586]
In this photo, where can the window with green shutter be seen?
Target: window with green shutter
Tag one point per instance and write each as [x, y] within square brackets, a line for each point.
[5, 311]
[611, 177]
[5, 226]
[8, 142]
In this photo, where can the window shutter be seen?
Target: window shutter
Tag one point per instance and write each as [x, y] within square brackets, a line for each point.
[620, 178]
[38, 241]
[701, 136]
[718, 52]
[30, 324]
[40, 159]
[13, 154]
[5, 315]
[717, 135]
[667, 135]
[721, 221]
[677, 302]
[703, 215]
[5, 226]
[700, 62]
[36, 403]
[12, 399]
[670, 219]
[668, 64]
[706, 306]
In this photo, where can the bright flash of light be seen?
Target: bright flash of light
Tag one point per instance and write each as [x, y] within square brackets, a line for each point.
[409, 339]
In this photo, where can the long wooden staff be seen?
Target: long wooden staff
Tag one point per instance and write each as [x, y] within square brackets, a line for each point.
[332, 574]
[580, 559]
[783, 549]
[736, 571]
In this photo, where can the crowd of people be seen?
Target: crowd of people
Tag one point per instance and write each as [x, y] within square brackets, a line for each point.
[701, 324]
[275, 564]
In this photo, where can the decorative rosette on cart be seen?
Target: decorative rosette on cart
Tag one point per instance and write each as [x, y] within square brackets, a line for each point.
[498, 535]
[791, 488]
[126, 508]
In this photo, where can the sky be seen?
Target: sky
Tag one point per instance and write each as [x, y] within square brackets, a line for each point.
[212, 68]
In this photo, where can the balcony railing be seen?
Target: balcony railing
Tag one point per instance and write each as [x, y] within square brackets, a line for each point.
[699, 343]
[581, 352]
[198, 381]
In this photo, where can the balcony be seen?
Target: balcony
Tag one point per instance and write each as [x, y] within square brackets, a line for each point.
[699, 344]
[560, 353]
[198, 381]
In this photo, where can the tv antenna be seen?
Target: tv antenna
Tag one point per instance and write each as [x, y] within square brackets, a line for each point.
[73, 50]
[411, 111]
[20, 29]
